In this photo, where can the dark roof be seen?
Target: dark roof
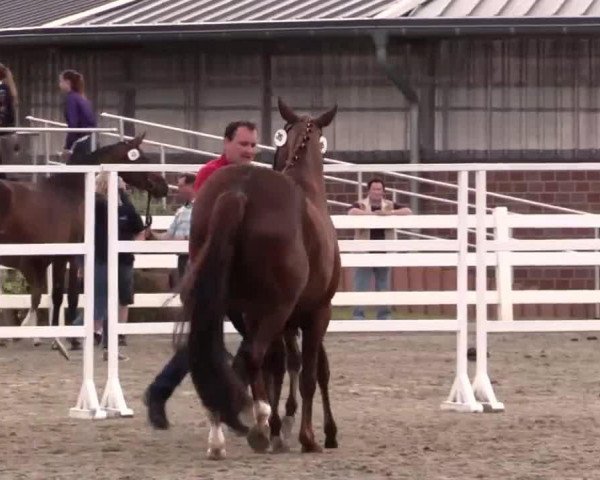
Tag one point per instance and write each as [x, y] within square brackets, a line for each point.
[33, 13]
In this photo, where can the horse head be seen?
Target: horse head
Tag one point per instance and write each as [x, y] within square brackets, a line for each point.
[129, 151]
[301, 138]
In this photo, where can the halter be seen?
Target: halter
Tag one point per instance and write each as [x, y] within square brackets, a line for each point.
[291, 163]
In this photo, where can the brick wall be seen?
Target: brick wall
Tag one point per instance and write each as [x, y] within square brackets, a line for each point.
[578, 190]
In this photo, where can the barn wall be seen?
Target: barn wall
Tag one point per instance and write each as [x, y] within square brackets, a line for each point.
[507, 95]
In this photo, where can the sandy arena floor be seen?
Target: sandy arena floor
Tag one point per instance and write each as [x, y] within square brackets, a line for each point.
[386, 393]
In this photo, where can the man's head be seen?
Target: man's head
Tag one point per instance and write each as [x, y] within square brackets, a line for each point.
[376, 190]
[185, 183]
[240, 141]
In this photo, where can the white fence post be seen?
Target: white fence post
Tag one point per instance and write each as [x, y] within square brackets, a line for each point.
[482, 386]
[504, 269]
[113, 400]
[462, 397]
[87, 403]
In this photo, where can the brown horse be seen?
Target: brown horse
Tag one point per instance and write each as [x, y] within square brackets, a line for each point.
[52, 211]
[262, 243]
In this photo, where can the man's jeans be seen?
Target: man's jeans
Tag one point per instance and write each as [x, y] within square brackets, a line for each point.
[362, 278]
[177, 367]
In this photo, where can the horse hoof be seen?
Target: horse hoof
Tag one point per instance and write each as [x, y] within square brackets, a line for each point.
[287, 425]
[311, 448]
[258, 438]
[331, 443]
[37, 342]
[279, 446]
[215, 453]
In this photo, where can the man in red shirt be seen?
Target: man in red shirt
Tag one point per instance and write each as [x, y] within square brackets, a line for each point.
[239, 147]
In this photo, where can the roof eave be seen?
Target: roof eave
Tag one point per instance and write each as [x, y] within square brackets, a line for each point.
[402, 27]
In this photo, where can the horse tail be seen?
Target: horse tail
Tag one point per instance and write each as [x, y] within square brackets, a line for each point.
[205, 292]
[6, 199]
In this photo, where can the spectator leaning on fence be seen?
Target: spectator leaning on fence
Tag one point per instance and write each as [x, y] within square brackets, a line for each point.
[375, 204]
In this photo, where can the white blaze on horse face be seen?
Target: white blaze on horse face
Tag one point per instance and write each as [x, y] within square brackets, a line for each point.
[133, 154]
[262, 412]
[216, 438]
[323, 143]
[280, 138]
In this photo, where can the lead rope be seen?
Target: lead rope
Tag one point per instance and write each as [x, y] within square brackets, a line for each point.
[148, 216]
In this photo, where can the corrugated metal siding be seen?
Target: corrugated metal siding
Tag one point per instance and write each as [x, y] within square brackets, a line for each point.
[511, 95]
[506, 8]
[32, 13]
[207, 11]
[217, 11]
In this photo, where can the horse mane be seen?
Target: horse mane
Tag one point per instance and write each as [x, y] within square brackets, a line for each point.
[94, 157]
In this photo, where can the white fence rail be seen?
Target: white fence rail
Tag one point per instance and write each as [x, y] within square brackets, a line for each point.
[501, 252]
[87, 405]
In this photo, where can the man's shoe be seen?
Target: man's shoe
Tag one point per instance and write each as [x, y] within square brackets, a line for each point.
[157, 415]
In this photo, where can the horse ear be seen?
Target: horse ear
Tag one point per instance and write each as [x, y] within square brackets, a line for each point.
[286, 112]
[325, 119]
[137, 140]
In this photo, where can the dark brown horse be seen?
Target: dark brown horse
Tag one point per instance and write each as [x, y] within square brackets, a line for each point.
[52, 211]
[262, 243]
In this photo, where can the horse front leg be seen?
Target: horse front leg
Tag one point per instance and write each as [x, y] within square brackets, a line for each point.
[323, 375]
[59, 268]
[73, 289]
[35, 278]
[275, 370]
[293, 364]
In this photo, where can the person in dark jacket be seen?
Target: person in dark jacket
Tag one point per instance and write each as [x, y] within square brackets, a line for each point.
[131, 227]
[78, 114]
[9, 100]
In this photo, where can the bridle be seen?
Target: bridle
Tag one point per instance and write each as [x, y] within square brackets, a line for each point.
[291, 161]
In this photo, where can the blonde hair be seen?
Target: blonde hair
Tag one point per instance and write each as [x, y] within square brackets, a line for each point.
[6, 76]
[102, 184]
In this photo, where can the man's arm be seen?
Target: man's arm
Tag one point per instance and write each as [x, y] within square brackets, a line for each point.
[357, 209]
[398, 210]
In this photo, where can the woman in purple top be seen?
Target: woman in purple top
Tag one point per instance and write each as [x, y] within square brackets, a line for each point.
[78, 113]
[9, 100]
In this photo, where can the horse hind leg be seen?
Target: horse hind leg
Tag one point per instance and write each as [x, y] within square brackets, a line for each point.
[268, 328]
[293, 363]
[216, 438]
